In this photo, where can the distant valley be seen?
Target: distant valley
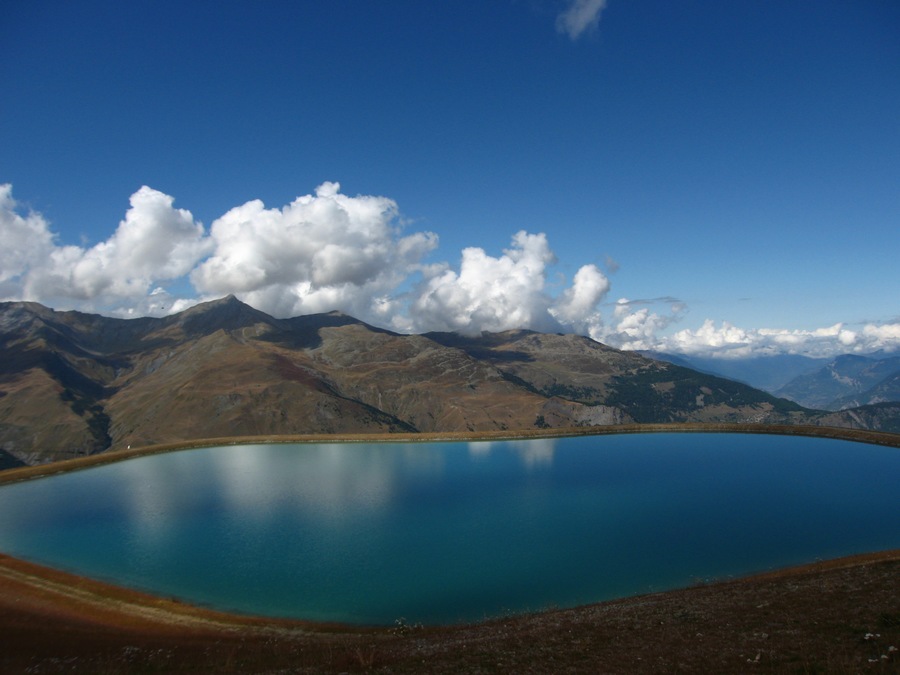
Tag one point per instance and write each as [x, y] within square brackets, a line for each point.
[847, 381]
[74, 384]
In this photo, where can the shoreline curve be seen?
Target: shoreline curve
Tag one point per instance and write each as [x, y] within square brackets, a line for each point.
[110, 456]
[827, 616]
[39, 600]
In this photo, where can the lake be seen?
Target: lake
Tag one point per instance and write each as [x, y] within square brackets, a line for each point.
[455, 531]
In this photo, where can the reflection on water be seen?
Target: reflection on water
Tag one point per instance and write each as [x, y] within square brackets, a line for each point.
[332, 480]
[440, 532]
[534, 453]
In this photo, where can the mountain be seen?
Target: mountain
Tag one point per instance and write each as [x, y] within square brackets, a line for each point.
[769, 373]
[881, 416]
[74, 384]
[580, 371]
[847, 381]
[886, 391]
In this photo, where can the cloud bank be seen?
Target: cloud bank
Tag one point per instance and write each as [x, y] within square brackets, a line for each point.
[154, 243]
[321, 252]
[329, 251]
[729, 341]
[510, 291]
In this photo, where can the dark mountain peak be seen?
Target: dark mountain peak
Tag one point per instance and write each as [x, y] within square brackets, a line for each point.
[226, 313]
[72, 330]
[23, 306]
[229, 302]
[23, 315]
[14, 316]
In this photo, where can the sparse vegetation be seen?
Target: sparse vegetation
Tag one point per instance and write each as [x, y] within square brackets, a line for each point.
[673, 393]
[223, 368]
[832, 617]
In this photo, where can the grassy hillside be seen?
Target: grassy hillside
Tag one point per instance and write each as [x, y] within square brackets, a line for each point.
[75, 384]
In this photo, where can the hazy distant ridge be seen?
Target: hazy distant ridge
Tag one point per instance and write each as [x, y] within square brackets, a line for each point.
[847, 382]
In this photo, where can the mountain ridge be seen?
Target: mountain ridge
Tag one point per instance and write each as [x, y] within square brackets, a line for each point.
[839, 383]
[768, 372]
[847, 381]
[74, 384]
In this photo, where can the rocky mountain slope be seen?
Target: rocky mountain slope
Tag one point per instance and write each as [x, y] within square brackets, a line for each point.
[75, 384]
[886, 391]
[880, 416]
[847, 382]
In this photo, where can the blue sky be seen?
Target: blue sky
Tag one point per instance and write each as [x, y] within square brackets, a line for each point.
[692, 175]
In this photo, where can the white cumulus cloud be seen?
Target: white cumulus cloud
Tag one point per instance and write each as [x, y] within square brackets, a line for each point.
[321, 252]
[155, 242]
[329, 251]
[25, 239]
[496, 293]
[576, 306]
[729, 341]
[634, 326]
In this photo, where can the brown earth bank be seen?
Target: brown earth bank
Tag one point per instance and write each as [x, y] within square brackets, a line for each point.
[840, 616]
[834, 616]
[840, 433]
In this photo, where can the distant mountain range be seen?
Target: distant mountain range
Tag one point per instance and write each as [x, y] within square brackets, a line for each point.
[847, 382]
[74, 384]
[769, 373]
[844, 382]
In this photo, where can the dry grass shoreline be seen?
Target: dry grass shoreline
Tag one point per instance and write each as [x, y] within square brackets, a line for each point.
[110, 456]
[832, 616]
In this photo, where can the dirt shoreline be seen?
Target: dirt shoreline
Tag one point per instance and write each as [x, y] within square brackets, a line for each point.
[832, 616]
[118, 455]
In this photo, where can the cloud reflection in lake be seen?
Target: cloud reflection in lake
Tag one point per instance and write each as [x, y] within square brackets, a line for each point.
[534, 453]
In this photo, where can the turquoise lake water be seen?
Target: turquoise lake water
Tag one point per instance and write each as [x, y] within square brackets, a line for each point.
[446, 532]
